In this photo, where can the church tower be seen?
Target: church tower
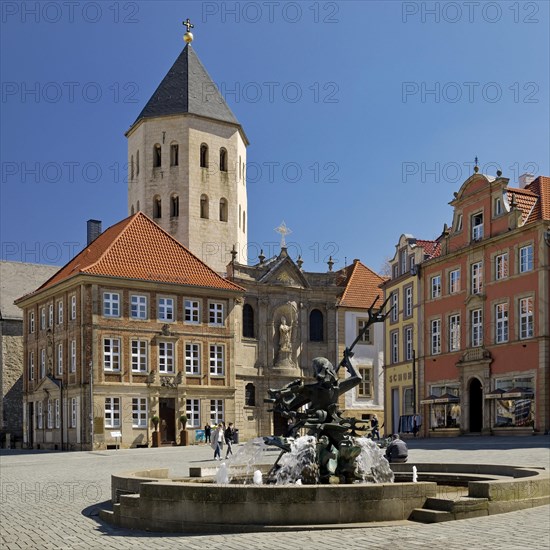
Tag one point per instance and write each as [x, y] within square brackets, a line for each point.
[186, 159]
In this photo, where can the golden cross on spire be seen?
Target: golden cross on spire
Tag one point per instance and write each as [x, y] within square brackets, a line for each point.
[188, 24]
[283, 230]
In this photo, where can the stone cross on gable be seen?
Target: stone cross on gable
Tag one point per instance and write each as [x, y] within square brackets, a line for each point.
[283, 230]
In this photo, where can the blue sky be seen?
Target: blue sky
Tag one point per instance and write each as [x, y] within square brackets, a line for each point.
[368, 114]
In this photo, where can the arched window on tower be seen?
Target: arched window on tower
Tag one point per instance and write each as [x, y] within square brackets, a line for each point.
[240, 216]
[204, 207]
[250, 395]
[223, 210]
[244, 221]
[138, 207]
[316, 326]
[132, 168]
[204, 155]
[174, 154]
[248, 321]
[133, 212]
[137, 162]
[223, 160]
[240, 168]
[157, 156]
[157, 207]
[174, 206]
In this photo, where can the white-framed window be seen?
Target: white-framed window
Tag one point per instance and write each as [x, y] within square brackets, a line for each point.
[138, 306]
[166, 357]
[43, 318]
[73, 412]
[501, 266]
[526, 258]
[217, 362]
[73, 356]
[111, 304]
[408, 344]
[192, 410]
[395, 271]
[192, 358]
[497, 207]
[476, 323]
[458, 227]
[501, 323]
[39, 415]
[73, 307]
[408, 301]
[394, 342]
[112, 412]
[139, 412]
[49, 417]
[477, 277]
[366, 338]
[31, 365]
[435, 336]
[111, 354]
[454, 332]
[403, 261]
[477, 226]
[50, 315]
[526, 318]
[57, 414]
[42, 363]
[394, 306]
[192, 311]
[216, 411]
[215, 313]
[166, 309]
[454, 281]
[435, 286]
[60, 312]
[139, 355]
[60, 359]
[364, 389]
[31, 322]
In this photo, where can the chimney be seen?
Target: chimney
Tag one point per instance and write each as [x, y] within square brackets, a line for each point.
[93, 230]
[525, 180]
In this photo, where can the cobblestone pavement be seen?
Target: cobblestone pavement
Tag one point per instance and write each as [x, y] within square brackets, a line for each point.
[49, 500]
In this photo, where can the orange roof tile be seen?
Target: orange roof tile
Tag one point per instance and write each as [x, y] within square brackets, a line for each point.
[525, 199]
[432, 249]
[137, 248]
[541, 187]
[362, 287]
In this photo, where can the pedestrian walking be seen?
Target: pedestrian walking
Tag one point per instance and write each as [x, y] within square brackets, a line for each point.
[374, 427]
[217, 441]
[207, 432]
[229, 438]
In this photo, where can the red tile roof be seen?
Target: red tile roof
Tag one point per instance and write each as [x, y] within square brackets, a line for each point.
[137, 248]
[432, 249]
[534, 200]
[362, 286]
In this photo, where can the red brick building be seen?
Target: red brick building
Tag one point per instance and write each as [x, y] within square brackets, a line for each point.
[486, 363]
[134, 327]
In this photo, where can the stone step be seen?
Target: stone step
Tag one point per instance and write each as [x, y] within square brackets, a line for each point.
[459, 505]
[424, 515]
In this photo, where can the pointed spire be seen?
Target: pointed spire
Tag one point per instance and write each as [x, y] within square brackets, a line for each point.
[188, 88]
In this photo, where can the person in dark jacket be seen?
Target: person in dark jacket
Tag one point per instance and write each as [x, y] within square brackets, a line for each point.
[207, 432]
[229, 438]
[397, 450]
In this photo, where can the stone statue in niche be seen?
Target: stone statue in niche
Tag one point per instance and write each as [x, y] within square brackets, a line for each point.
[285, 336]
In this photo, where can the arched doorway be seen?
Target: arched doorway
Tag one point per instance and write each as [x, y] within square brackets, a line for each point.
[476, 405]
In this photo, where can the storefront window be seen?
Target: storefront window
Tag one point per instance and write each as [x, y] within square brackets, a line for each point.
[514, 402]
[444, 406]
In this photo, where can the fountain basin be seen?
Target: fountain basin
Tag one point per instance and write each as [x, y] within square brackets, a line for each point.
[180, 505]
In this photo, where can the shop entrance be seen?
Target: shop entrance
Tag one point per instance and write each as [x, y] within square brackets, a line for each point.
[476, 406]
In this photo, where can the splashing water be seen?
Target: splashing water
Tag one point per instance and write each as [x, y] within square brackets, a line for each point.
[372, 463]
[415, 474]
[300, 464]
[222, 474]
[245, 461]
[257, 478]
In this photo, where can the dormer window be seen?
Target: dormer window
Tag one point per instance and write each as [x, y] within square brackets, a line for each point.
[477, 226]
[458, 223]
[497, 207]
